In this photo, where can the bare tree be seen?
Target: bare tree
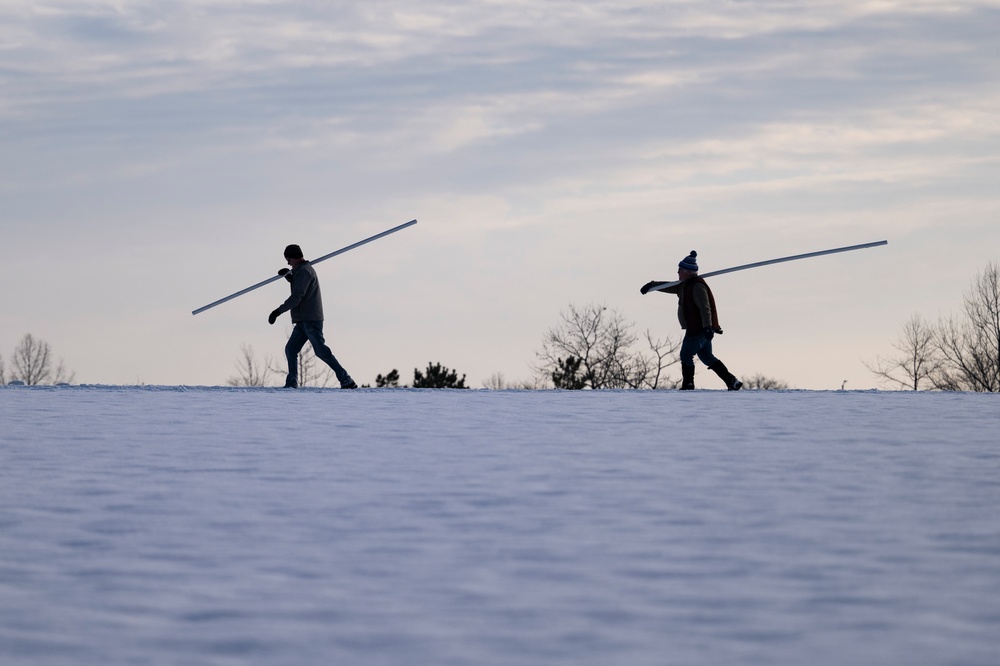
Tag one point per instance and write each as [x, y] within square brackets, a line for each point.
[32, 363]
[970, 348]
[251, 371]
[594, 337]
[592, 347]
[917, 361]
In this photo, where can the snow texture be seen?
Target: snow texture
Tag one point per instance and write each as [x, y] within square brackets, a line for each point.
[174, 525]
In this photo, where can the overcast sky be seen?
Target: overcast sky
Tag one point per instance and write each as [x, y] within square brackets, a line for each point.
[158, 156]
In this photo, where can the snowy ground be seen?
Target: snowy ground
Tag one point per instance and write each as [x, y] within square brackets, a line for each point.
[225, 526]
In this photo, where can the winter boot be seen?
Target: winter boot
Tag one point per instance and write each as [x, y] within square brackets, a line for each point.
[687, 377]
[732, 383]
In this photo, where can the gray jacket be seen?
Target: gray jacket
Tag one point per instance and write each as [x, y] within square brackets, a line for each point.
[305, 303]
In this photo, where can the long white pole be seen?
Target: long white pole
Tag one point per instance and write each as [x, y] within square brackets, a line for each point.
[314, 261]
[807, 255]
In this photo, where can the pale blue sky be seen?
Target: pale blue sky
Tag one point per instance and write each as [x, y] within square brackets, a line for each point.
[157, 156]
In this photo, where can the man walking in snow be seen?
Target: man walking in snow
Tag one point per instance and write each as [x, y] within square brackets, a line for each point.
[700, 320]
[306, 306]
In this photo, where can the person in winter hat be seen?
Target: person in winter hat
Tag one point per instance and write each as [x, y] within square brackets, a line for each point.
[699, 318]
[306, 305]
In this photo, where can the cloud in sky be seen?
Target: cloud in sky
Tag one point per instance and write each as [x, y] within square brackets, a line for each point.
[158, 155]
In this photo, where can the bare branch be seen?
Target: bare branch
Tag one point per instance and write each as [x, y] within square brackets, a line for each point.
[251, 371]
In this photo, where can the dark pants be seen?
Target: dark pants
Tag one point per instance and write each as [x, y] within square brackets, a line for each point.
[311, 331]
[697, 343]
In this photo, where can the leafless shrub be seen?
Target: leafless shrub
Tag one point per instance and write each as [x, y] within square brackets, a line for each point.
[497, 382]
[760, 382]
[593, 347]
[250, 371]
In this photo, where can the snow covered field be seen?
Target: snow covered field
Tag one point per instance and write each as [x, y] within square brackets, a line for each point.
[236, 526]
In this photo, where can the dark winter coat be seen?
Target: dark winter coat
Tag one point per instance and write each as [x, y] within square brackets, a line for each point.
[305, 302]
[695, 305]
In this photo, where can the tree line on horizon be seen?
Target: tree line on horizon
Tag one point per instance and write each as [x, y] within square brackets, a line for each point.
[594, 347]
[591, 347]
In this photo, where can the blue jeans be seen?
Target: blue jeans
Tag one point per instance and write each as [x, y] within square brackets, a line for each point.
[311, 331]
[697, 343]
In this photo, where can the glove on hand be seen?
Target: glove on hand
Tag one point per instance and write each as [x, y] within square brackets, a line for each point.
[709, 332]
[285, 273]
[646, 287]
[271, 318]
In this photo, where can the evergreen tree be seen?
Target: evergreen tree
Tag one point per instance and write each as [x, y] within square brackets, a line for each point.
[566, 376]
[437, 376]
[390, 380]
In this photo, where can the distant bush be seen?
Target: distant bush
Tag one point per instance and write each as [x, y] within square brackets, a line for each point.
[498, 382]
[759, 382]
[390, 380]
[437, 376]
